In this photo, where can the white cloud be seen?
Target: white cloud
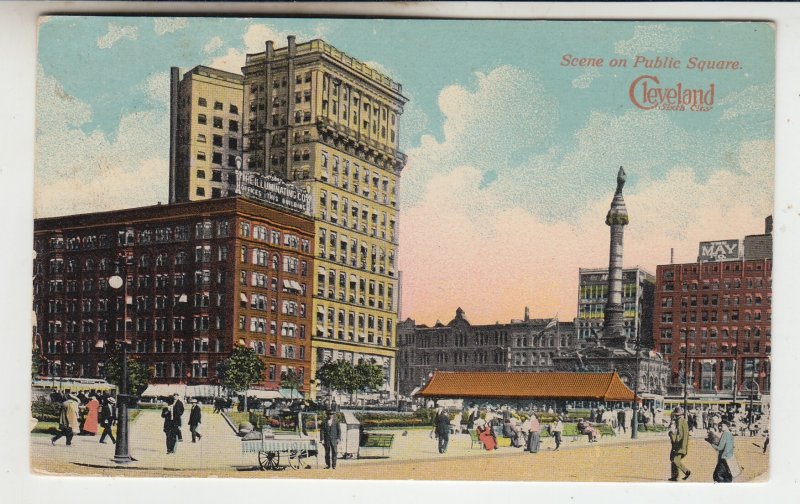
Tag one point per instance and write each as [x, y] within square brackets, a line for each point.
[79, 171]
[750, 100]
[585, 79]
[157, 87]
[506, 115]
[652, 38]
[231, 61]
[169, 25]
[212, 45]
[115, 34]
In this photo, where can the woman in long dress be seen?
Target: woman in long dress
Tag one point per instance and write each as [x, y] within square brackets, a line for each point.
[92, 411]
[485, 435]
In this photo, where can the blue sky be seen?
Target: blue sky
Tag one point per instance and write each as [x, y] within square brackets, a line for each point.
[492, 115]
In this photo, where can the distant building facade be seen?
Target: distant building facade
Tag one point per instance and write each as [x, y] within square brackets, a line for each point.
[713, 319]
[201, 278]
[522, 345]
[205, 133]
[638, 288]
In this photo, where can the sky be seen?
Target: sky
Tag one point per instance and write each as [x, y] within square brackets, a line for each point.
[512, 156]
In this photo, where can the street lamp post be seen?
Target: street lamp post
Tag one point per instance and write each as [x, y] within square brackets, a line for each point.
[121, 451]
[735, 369]
[685, 371]
[635, 426]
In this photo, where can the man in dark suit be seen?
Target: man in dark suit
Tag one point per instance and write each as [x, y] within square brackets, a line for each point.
[170, 429]
[329, 435]
[442, 427]
[194, 420]
[177, 412]
[108, 415]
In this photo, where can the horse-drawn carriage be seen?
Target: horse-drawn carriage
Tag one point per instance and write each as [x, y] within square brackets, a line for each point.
[288, 436]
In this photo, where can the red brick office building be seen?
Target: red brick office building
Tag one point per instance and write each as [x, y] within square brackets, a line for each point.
[202, 278]
[716, 313]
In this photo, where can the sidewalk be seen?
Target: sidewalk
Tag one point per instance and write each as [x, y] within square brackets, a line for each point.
[220, 449]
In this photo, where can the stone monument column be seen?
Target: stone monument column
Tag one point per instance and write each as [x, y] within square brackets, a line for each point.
[616, 219]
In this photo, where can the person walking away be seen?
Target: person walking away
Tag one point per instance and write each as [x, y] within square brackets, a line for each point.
[621, 420]
[92, 410]
[533, 434]
[108, 416]
[727, 466]
[766, 440]
[170, 429]
[67, 420]
[442, 426]
[195, 417]
[679, 436]
[556, 428]
[329, 436]
[177, 414]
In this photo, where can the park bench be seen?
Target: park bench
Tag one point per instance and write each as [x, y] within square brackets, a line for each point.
[473, 437]
[377, 440]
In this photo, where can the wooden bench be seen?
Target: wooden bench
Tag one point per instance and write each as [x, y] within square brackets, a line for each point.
[377, 440]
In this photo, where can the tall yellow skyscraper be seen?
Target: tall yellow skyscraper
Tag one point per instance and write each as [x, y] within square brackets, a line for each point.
[329, 124]
[316, 116]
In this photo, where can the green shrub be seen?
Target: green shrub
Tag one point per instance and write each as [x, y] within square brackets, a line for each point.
[45, 411]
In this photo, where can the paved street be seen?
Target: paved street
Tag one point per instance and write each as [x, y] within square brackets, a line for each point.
[414, 456]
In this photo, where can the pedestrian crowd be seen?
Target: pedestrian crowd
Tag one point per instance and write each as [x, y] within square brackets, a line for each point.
[84, 414]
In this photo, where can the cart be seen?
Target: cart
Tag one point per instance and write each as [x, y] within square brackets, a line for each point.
[351, 436]
[285, 438]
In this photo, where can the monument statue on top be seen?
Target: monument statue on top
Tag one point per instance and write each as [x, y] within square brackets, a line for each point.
[617, 218]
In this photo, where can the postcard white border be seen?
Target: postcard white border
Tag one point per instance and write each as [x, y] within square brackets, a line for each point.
[17, 87]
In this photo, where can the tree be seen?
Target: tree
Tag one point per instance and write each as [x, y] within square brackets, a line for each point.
[291, 381]
[337, 375]
[241, 370]
[138, 373]
[36, 363]
[369, 376]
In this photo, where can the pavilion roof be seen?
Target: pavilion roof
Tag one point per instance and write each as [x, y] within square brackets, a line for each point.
[528, 385]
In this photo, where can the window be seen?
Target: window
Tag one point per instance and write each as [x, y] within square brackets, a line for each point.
[233, 125]
[201, 102]
[217, 140]
[201, 138]
[233, 109]
[216, 158]
[201, 156]
[217, 105]
[201, 119]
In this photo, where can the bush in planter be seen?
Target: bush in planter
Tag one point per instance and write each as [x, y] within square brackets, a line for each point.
[45, 411]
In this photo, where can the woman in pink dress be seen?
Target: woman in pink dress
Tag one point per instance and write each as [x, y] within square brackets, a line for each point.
[92, 410]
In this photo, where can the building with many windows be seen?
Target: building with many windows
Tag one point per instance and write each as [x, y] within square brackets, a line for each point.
[200, 278]
[328, 123]
[713, 321]
[637, 298]
[205, 133]
[521, 345]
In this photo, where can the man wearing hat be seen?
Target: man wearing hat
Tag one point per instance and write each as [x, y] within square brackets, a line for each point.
[194, 420]
[329, 436]
[679, 436]
[177, 413]
[68, 420]
[108, 415]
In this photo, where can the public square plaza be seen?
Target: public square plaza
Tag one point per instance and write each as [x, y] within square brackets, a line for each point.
[413, 456]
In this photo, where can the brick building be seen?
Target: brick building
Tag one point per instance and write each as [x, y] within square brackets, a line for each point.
[522, 345]
[201, 278]
[716, 314]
